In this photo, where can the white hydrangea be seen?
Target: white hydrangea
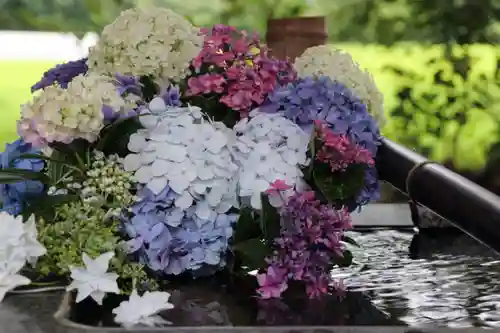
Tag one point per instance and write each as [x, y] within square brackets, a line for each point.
[63, 115]
[180, 149]
[152, 41]
[268, 147]
[338, 65]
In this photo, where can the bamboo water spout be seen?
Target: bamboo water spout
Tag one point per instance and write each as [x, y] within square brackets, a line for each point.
[465, 204]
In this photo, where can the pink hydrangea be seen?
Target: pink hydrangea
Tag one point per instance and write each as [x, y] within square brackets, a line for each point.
[338, 151]
[237, 68]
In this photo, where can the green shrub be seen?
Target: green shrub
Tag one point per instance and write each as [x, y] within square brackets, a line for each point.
[448, 112]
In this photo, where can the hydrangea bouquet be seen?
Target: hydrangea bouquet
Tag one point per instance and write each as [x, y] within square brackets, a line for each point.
[174, 151]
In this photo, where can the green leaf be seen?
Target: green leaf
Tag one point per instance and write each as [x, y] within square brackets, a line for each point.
[13, 175]
[349, 240]
[51, 160]
[252, 253]
[345, 260]
[246, 227]
[269, 219]
[339, 186]
[45, 206]
[74, 151]
[115, 137]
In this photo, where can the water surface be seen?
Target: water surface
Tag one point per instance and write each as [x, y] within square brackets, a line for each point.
[427, 281]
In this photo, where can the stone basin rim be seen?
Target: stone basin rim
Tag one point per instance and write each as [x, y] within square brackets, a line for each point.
[62, 314]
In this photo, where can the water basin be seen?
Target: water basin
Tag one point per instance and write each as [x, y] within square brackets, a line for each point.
[427, 281]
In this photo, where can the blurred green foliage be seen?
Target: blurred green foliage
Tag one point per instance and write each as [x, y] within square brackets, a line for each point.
[450, 111]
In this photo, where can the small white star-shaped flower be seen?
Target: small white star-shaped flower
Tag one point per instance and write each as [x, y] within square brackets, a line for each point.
[94, 281]
[9, 281]
[11, 230]
[32, 247]
[143, 310]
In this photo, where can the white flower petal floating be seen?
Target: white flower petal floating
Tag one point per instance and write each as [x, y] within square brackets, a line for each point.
[94, 281]
[143, 310]
[9, 281]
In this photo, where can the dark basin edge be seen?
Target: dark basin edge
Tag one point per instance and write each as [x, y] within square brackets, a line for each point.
[61, 316]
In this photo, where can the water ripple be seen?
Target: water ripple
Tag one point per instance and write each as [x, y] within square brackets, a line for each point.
[451, 283]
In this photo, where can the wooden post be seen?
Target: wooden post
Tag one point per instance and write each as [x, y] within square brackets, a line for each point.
[289, 38]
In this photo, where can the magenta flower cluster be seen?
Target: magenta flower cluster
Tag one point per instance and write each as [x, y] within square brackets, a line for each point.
[309, 243]
[236, 68]
[338, 151]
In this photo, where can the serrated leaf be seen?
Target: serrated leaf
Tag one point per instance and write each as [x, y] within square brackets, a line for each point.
[270, 220]
[247, 227]
[252, 253]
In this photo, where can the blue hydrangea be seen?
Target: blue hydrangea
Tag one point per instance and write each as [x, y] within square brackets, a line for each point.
[173, 241]
[310, 99]
[62, 74]
[13, 197]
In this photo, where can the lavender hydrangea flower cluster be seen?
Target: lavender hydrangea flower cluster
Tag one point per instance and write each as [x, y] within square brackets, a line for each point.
[172, 241]
[15, 195]
[61, 74]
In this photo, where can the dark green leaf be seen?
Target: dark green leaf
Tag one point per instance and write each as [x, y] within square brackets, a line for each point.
[13, 175]
[71, 153]
[345, 260]
[252, 253]
[312, 155]
[269, 219]
[246, 227]
[115, 137]
[349, 240]
[45, 205]
[339, 186]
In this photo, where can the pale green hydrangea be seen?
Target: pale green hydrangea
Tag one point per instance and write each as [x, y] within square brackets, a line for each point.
[147, 42]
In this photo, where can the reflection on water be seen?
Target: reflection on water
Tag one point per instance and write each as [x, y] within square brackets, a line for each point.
[451, 282]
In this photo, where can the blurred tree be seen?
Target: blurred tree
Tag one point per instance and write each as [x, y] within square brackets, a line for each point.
[78, 16]
[457, 21]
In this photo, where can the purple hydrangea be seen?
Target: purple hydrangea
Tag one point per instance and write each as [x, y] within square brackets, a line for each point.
[310, 238]
[310, 99]
[173, 241]
[125, 85]
[171, 95]
[62, 74]
[13, 197]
